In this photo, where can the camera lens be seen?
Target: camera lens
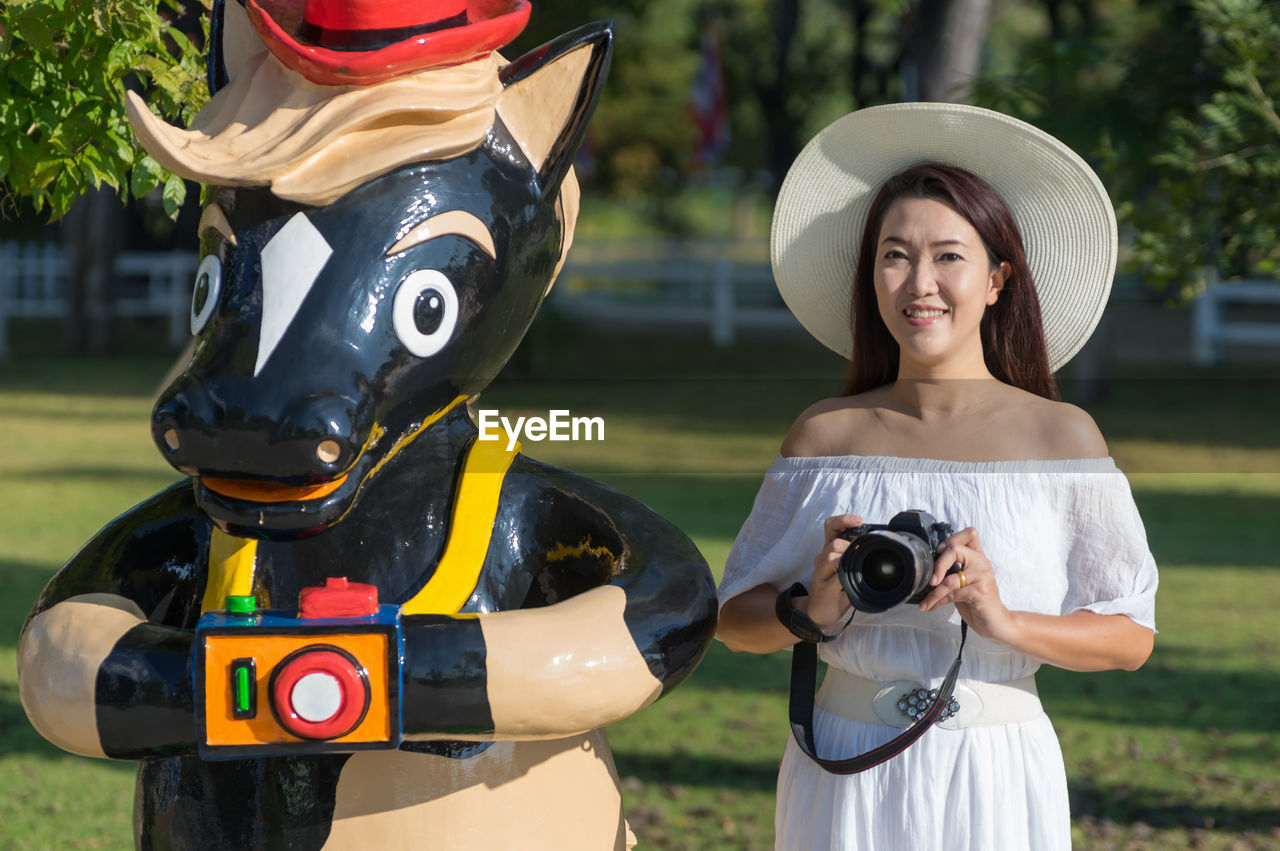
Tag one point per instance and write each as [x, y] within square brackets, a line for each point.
[882, 569]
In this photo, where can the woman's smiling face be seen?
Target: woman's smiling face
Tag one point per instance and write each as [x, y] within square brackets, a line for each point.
[934, 280]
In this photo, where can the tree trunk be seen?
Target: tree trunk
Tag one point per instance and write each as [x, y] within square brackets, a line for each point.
[945, 49]
[90, 239]
[775, 93]
[1053, 9]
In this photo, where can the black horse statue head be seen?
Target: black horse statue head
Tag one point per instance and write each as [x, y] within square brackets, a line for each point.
[368, 264]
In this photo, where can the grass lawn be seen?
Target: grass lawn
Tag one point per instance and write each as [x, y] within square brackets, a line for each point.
[1182, 754]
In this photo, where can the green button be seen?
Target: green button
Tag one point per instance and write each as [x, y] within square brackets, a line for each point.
[237, 605]
[244, 688]
[244, 696]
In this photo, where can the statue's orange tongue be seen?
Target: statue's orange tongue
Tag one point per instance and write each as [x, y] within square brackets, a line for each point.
[269, 491]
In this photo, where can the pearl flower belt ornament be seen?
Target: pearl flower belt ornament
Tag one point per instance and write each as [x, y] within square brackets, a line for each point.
[914, 704]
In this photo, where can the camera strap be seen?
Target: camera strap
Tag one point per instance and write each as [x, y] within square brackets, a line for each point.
[804, 679]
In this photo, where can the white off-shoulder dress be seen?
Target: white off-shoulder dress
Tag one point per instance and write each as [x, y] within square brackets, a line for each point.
[1061, 536]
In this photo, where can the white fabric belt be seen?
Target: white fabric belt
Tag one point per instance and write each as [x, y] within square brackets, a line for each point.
[980, 704]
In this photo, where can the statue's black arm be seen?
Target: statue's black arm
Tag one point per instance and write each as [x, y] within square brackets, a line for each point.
[111, 633]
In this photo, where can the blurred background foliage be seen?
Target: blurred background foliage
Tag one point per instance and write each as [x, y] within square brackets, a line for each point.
[66, 66]
[1173, 101]
[1214, 203]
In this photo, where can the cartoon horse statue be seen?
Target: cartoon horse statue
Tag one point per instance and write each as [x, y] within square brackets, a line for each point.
[355, 623]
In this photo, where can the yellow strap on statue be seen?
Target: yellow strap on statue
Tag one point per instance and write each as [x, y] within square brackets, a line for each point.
[232, 559]
[474, 511]
[231, 563]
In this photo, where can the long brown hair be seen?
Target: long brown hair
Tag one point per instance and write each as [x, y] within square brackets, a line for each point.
[1012, 332]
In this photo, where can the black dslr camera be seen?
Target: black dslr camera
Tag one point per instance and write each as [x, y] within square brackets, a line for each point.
[891, 564]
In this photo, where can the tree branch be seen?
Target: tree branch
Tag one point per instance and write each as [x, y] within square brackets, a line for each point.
[1226, 159]
[1265, 101]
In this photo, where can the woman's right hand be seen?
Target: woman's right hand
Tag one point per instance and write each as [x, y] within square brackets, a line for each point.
[827, 601]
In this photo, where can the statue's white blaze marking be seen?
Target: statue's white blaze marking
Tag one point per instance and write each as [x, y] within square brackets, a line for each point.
[291, 262]
[316, 697]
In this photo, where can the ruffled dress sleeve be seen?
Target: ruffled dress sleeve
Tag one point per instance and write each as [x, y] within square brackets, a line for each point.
[1110, 568]
[781, 536]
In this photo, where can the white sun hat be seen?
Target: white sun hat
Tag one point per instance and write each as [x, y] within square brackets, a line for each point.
[1068, 225]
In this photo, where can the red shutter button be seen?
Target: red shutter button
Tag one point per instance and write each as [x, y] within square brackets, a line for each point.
[338, 598]
[320, 692]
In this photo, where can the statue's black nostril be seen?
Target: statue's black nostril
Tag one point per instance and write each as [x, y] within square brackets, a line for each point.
[328, 451]
[166, 421]
[175, 426]
[321, 426]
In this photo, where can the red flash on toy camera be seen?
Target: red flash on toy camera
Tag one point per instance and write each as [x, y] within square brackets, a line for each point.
[323, 679]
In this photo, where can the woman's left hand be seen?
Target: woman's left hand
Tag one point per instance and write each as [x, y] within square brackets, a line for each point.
[972, 589]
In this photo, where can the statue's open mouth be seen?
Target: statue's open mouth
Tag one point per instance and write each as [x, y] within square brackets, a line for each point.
[266, 509]
[270, 492]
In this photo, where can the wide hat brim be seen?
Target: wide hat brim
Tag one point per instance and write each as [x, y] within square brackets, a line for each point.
[493, 23]
[1067, 222]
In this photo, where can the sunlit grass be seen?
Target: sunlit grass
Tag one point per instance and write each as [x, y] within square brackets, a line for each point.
[1181, 754]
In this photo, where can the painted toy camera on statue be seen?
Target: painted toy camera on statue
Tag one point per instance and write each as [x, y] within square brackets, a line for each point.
[355, 624]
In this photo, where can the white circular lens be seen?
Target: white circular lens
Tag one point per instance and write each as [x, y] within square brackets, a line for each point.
[316, 697]
[204, 296]
[425, 312]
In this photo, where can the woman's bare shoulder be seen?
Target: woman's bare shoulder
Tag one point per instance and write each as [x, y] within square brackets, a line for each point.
[1065, 431]
[825, 426]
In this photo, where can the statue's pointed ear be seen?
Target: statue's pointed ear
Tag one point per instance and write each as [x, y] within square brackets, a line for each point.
[232, 43]
[550, 94]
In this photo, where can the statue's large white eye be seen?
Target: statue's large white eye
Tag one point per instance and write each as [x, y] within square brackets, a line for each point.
[425, 312]
[208, 288]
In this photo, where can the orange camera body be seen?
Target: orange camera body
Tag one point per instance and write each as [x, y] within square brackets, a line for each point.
[279, 682]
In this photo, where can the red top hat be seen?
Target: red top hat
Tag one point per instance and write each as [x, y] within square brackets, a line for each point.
[361, 42]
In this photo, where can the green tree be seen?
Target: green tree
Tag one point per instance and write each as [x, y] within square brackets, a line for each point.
[66, 66]
[640, 133]
[1174, 102]
[1216, 204]
[788, 65]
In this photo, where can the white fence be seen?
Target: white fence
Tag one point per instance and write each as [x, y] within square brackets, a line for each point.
[721, 284]
[33, 283]
[1210, 329]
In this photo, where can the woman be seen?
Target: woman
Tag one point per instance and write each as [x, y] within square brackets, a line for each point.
[950, 407]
